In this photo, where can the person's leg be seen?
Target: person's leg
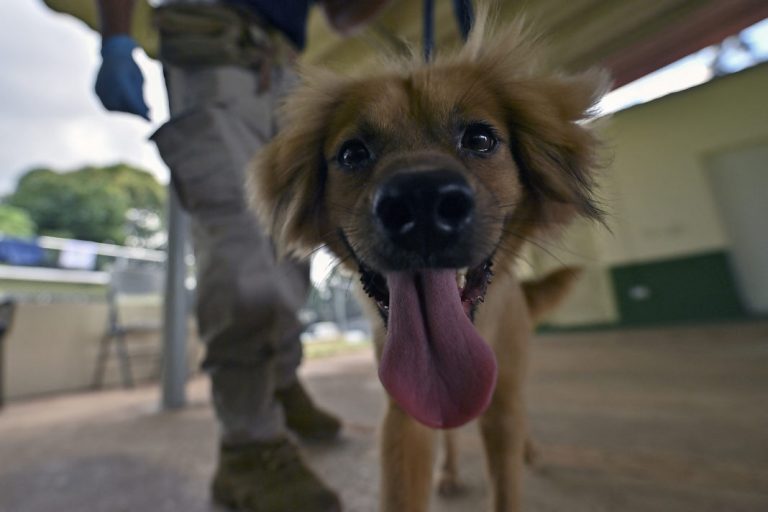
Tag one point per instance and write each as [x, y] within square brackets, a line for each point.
[246, 302]
[239, 304]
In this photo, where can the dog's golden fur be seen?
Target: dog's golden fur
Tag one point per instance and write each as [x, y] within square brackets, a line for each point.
[539, 179]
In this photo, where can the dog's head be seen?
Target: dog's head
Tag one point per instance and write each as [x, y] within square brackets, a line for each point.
[423, 178]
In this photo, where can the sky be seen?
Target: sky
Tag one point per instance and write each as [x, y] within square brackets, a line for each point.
[49, 115]
[690, 71]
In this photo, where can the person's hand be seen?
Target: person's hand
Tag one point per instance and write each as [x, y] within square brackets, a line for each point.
[119, 84]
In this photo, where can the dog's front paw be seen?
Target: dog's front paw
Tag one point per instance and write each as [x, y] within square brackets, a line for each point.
[449, 485]
[531, 453]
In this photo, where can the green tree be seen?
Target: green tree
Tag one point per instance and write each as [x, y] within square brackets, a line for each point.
[16, 222]
[91, 203]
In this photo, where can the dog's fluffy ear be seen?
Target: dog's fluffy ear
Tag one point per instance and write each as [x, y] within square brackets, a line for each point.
[547, 115]
[286, 178]
[553, 144]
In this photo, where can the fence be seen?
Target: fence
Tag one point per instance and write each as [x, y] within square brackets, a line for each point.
[70, 270]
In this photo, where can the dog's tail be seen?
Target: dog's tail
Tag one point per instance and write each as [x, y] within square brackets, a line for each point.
[543, 295]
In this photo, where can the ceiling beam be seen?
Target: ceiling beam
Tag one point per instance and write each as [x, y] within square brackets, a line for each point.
[706, 26]
[631, 38]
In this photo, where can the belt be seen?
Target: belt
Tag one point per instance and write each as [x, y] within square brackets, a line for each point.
[220, 35]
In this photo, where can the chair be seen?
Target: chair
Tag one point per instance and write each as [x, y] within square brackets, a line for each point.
[128, 286]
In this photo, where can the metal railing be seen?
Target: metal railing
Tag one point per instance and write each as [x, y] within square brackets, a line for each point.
[50, 282]
[115, 251]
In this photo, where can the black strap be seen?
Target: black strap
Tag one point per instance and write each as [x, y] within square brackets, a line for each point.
[462, 9]
[465, 16]
[429, 29]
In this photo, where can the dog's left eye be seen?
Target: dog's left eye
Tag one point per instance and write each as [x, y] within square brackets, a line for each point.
[479, 138]
[353, 154]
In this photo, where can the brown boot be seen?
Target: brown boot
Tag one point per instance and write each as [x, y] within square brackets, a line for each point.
[303, 417]
[269, 477]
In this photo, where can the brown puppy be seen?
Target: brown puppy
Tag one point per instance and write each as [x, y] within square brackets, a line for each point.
[427, 179]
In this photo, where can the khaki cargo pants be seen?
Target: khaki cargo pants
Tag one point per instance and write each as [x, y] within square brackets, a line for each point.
[246, 301]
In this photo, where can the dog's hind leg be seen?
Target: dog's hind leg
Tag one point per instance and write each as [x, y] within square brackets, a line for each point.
[503, 430]
[531, 453]
[448, 483]
[542, 296]
[407, 450]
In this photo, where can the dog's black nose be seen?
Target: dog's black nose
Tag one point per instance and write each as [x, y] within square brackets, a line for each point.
[424, 211]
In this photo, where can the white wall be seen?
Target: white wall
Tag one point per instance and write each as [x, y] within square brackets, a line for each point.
[659, 198]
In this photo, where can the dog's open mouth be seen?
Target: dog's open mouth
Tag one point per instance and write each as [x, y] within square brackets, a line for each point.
[434, 363]
[471, 284]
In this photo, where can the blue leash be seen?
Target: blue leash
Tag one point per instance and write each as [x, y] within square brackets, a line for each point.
[462, 10]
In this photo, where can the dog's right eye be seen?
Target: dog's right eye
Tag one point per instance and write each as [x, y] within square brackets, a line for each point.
[479, 138]
[353, 154]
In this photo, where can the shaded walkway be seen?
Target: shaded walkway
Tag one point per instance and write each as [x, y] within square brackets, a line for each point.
[646, 420]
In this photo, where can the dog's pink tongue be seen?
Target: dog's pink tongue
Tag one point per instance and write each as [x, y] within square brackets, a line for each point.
[434, 364]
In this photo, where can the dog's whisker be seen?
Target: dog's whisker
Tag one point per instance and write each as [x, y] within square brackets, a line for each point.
[508, 205]
[554, 245]
[343, 208]
[317, 250]
[538, 245]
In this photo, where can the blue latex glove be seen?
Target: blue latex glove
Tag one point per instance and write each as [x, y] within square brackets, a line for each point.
[119, 82]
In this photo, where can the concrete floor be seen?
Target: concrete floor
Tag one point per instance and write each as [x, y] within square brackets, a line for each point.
[645, 420]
